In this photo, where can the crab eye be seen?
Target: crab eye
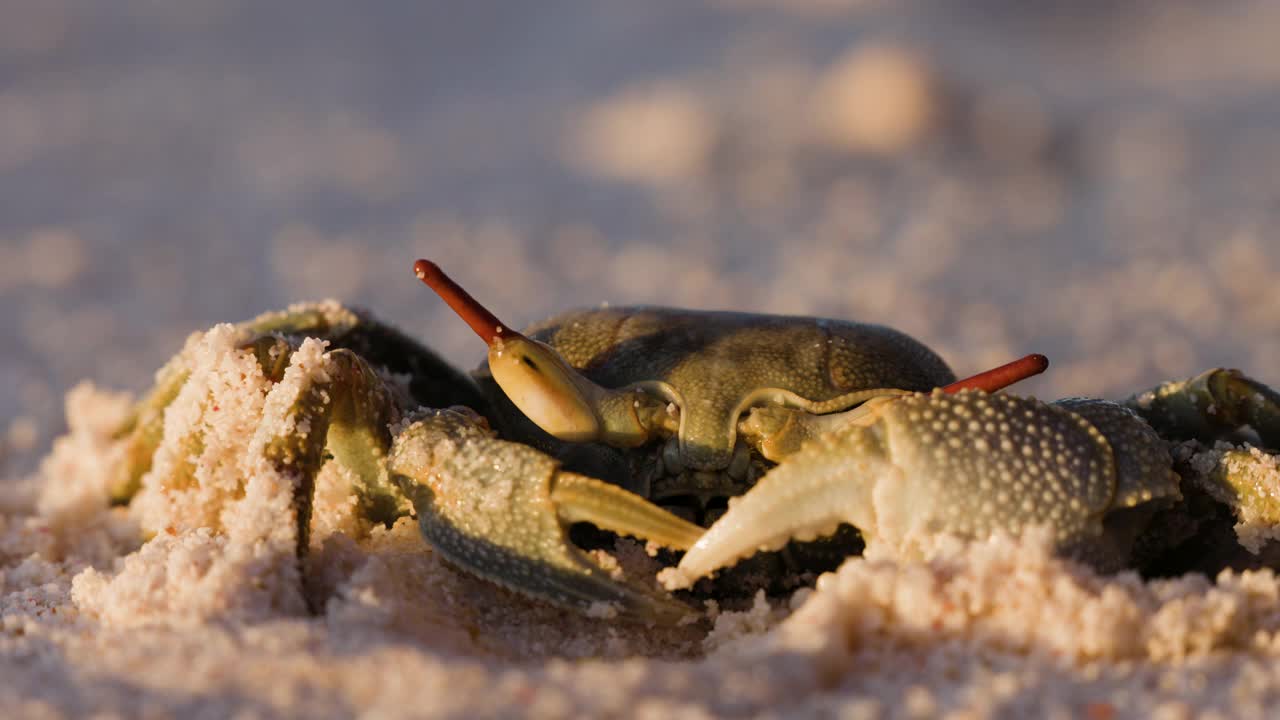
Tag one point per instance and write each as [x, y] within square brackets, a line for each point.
[544, 387]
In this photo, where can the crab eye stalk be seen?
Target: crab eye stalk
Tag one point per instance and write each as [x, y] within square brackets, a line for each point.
[1003, 376]
[483, 322]
[557, 398]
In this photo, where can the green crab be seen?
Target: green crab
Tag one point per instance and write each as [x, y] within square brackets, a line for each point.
[657, 422]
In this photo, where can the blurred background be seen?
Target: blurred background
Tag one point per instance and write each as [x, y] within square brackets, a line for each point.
[1099, 181]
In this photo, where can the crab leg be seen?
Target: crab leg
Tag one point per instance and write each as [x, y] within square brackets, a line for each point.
[501, 510]
[1211, 404]
[433, 382]
[143, 430]
[344, 412]
[1246, 481]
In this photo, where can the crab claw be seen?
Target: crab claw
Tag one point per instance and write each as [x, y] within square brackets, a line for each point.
[965, 465]
[501, 510]
[1212, 404]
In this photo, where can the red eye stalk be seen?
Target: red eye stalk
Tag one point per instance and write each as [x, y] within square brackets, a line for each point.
[1003, 376]
[485, 323]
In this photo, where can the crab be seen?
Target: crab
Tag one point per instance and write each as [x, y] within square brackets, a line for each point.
[718, 435]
